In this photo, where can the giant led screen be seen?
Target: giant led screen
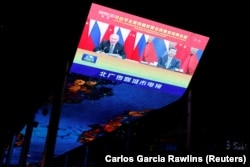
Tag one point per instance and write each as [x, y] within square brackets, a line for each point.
[141, 63]
[125, 67]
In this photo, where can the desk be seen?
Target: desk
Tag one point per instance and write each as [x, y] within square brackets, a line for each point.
[134, 68]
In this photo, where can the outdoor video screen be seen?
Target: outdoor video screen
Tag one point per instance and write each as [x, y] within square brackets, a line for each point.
[146, 54]
[124, 68]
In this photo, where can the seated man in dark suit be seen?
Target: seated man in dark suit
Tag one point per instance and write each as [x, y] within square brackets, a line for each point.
[168, 60]
[111, 47]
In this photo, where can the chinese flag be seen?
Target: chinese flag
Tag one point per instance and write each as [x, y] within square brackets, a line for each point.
[94, 37]
[129, 44]
[183, 53]
[139, 49]
[85, 35]
[109, 31]
[193, 62]
[150, 54]
[185, 64]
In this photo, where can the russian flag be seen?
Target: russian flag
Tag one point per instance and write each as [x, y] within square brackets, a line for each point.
[139, 49]
[194, 60]
[119, 32]
[159, 46]
[199, 54]
[188, 55]
[154, 49]
[94, 37]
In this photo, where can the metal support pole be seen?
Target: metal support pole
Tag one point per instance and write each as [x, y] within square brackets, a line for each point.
[26, 143]
[189, 120]
[85, 163]
[49, 149]
[10, 151]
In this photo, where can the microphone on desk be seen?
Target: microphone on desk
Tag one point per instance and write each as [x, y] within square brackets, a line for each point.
[104, 49]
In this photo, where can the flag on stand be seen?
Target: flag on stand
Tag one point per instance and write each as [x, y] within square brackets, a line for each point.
[95, 34]
[121, 41]
[183, 53]
[189, 54]
[84, 36]
[129, 44]
[193, 62]
[160, 46]
[139, 49]
[94, 37]
[154, 49]
[199, 54]
[109, 31]
[149, 54]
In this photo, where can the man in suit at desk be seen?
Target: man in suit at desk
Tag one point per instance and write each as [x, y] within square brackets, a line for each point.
[168, 60]
[111, 47]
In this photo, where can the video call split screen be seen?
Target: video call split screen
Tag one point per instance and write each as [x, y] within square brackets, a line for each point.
[145, 43]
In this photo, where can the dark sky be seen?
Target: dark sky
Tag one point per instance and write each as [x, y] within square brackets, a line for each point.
[38, 38]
